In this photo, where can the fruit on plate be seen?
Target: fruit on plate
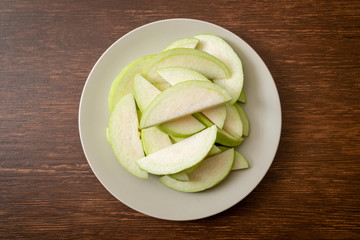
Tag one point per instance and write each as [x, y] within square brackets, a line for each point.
[181, 155]
[183, 43]
[227, 139]
[214, 150]
[181, 176]
[183, 99]
[223, 137]
[242, 97]
[244, 120]
[233, 123]
[200, 61]
[175, 75]
[177, 114]
[182, 127]
[124, 135]
[154, 140]
[145, 93]
[123, 83]
[217, 115]
[240, 161]
[217, 47]
[209, 173]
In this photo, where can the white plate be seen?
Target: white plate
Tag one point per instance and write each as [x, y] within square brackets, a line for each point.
[149, 196]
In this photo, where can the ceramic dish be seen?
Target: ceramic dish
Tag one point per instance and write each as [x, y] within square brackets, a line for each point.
[149, 196]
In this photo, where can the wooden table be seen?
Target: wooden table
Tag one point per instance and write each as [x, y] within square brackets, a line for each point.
[47, 189]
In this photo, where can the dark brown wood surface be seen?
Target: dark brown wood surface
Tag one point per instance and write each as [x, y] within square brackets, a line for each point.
[47, 189]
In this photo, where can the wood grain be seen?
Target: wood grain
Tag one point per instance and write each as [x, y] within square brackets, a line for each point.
[47, 190]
